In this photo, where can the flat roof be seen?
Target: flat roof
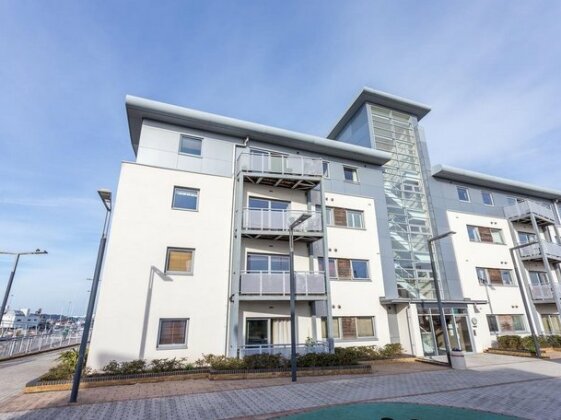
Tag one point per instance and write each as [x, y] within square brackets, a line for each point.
[369, 95]
[489, 181]
[139, 109]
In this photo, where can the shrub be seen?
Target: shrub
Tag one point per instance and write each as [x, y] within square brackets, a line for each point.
[220, 362]
[370, 352]
[266, 361]
[125, 368]
[169, 365]
[65, 368]
[554, 340]
[510, 342]
[391, 350]
[527, 343]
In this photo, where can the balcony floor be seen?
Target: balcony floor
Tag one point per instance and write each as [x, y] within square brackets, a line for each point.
[294, 182]
[276, 298]
[282, 235]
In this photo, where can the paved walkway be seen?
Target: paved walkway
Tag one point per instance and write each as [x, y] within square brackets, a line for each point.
[516, 386]
[14, 374]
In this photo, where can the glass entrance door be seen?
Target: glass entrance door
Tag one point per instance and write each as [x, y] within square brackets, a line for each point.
[432, 335]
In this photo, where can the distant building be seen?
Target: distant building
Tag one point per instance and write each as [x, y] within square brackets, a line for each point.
[21, 319]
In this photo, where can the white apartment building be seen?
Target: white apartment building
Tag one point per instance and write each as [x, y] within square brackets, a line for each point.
[197, 259]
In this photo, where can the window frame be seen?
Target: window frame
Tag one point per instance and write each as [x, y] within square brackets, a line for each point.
[190, 137]
[175, 188]
[339, 319]
[183, 345]
[491, 232]
[351, 261]
[180, 273]
[490, 197]
[360, 214]
[354, 170]
[487, 279]
[500, 330]
[466, 189]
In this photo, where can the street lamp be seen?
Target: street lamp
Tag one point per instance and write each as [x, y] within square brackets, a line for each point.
[301, 219]
[524, 300]
[105, 196]
[12, 274]
[438, 296]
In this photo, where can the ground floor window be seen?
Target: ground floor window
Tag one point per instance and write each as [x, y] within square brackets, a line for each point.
[173, 332]
[265, 331]
[551, 324]
[506, 324]
[350, 328]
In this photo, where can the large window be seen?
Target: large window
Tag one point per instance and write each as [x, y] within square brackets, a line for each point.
[337, 216]
[266, 204]
[525, 237]
[487, 198]
[350, 328]
[190, 145]
[179, 261]
[346, 269]
[485, 234]
[173, 333]
[463, 194]
[350, 174]
[494, 276]
[185, 198]
[506, 324]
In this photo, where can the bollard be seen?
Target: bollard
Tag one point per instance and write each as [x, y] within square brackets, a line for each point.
[458, 359]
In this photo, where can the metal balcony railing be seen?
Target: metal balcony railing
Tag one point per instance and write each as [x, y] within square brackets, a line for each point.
[524, 209]
[277, 283]
[551, 251]
[542, 291]
[279, 220]
[283, 349]
[281, 164]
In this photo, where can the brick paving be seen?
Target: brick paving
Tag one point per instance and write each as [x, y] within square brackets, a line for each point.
[502, 384]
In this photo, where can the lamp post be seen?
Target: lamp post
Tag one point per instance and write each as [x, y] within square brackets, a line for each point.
[303, 217]
[12, 275]
[438, 296]
[524, 300]
[105, 196]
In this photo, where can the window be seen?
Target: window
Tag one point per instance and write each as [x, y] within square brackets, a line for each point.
[179, 261]
[487, 198]
[506, 324]
[350, 174]
[511, 201]
[355, 219]
[345, 269]
[337, 216]
[268, 263]
[263, 203]
[185, 198]
[551, 324]
[325, 165]
[190, 146]
[524, 237]
[350, 328]
[538, 278]
[173, 332]
[494, 276]
[463, 194]
[485, 234]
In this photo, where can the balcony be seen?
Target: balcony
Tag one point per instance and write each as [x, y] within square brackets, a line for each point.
[286, 171]
[542, 292]
[275, 284]
[283, 349]
[274, 224]
[533, 253]
[522, 212]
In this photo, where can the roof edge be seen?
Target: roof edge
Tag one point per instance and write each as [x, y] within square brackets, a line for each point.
[378, 97]
[141, 108]
[490, 181]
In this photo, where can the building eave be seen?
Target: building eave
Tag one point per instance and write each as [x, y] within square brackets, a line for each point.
[515, 187]
[139, 109]
[368, 95]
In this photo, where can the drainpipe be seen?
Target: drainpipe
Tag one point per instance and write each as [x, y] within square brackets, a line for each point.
[232, 299]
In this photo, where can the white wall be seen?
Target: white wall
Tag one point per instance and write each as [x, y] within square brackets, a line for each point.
[469, 255]
[143, 226]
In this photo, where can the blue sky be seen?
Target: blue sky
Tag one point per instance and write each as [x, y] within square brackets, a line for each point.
[489, 70]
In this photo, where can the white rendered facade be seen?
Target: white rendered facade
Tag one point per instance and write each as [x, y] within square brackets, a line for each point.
[198, 250]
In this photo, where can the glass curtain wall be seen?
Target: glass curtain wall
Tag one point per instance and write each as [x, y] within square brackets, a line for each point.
[406, 202]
